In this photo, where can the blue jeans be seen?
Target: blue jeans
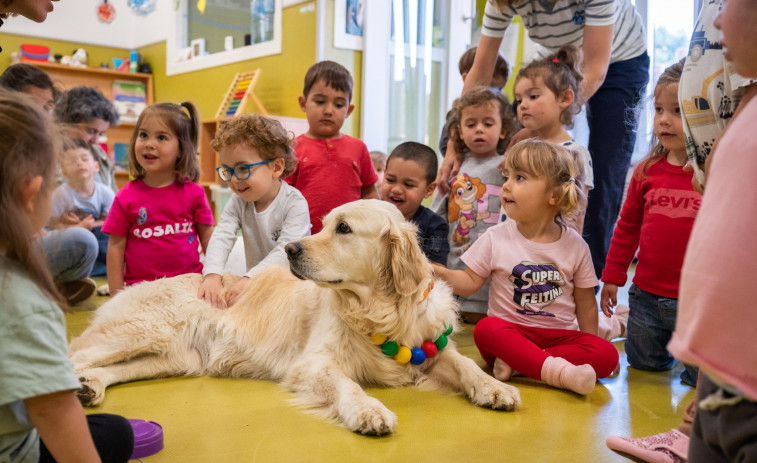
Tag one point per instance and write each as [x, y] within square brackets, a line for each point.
[651, 322]
[99, 269]
[612, 135]
[70, 253]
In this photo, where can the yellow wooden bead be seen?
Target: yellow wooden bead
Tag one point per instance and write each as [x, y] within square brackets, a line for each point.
[404, 355]
[378, 339]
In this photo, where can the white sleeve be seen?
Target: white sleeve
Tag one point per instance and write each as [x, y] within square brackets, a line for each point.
[224, 236]
[495, 22]
[295, 223]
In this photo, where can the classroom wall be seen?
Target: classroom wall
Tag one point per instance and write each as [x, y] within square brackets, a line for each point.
[278, 88]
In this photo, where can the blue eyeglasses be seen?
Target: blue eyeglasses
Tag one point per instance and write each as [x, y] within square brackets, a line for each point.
[241, 171]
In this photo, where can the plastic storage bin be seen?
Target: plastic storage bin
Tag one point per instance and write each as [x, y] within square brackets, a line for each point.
[220, 195]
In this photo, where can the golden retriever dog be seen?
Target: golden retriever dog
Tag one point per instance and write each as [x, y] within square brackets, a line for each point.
[316, 328]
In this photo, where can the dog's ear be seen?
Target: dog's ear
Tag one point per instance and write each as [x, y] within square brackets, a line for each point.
[408, 264]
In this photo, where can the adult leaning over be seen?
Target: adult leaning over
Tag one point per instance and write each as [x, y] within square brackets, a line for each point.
[87, 114]
[616, 71]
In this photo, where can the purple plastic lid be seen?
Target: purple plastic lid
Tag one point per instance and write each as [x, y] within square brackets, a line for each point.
[148, 438]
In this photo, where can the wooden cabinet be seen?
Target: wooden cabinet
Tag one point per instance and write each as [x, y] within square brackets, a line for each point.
[67, 77]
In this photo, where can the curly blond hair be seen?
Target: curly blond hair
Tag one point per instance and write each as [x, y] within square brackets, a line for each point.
[264, 134]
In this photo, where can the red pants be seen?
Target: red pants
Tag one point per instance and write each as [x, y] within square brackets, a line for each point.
[524, 348]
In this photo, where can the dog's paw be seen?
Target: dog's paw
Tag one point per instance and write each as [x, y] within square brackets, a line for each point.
[91, 393]
[495, 394]
[370, 417]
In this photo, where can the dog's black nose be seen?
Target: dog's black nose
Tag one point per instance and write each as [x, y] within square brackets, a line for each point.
[293, 249]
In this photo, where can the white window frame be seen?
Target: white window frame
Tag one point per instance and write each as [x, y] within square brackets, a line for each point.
[177, 34]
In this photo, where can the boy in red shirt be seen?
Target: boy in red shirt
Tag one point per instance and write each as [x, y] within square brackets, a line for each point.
[333, 168]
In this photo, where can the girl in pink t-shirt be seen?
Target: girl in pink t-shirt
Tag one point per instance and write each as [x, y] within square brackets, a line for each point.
[159, 219]
[542, 318]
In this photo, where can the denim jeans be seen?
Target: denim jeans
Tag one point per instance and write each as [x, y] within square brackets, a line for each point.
[651, 322]
[611, 118]
[99, 269]
[70, 253]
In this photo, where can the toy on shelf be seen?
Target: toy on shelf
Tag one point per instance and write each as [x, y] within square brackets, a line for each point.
[240, 92]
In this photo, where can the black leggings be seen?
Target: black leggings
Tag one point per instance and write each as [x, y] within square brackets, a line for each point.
[113, 436]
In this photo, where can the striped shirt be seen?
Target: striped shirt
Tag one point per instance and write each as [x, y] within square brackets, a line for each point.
[552, 24]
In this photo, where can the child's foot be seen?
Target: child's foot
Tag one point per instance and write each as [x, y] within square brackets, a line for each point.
[621, 314]
[78, 290]
[503, 371]
[103, 290]
[613, 327]
[558, 372]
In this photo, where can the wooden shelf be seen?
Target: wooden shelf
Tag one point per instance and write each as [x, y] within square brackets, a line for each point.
[67, 77]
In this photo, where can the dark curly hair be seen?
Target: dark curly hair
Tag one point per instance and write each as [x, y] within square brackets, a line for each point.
[476, 97]
[266, 135]
[84, 104]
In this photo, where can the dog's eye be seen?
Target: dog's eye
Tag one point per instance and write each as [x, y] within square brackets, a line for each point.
[343, 228]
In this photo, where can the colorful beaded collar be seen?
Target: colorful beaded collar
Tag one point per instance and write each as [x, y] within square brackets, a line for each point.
[414, 355]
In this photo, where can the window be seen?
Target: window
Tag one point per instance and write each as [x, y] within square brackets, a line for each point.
[224, 31]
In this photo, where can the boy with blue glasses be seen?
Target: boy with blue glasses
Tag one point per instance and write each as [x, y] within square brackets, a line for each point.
[255, 153]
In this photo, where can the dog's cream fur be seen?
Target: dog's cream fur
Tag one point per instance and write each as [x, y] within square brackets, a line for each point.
[363, 274]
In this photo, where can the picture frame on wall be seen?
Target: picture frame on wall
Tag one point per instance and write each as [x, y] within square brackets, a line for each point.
[198, 47]
[348, 24]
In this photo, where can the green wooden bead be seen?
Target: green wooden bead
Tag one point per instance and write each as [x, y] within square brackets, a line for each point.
[390, 348]
[441, 342]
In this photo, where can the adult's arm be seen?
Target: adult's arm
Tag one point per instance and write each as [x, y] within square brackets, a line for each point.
[483, 64]
[597, 46]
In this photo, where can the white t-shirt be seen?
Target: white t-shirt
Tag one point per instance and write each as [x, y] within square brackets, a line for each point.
[532, 283]
[264, 233]
[552, 24]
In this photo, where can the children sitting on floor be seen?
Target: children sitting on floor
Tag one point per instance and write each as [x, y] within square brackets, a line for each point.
[255, 153]
[481, 123]
[542, 311]
[81, 201]
[333, 167]
[408, 180]
[162, 213]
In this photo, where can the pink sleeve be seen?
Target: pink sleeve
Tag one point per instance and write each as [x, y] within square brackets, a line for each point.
[584, 275]
[117, 222]
[479, 256]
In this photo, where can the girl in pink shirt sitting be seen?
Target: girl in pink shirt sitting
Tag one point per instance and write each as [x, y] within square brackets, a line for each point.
[542, 317]
[159, 219]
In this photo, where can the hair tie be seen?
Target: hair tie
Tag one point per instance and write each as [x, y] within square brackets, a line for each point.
[572, 180]
[555, 60]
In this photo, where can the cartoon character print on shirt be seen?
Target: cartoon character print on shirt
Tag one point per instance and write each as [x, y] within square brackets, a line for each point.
[161, 230]
[536, 286]
[465, 197]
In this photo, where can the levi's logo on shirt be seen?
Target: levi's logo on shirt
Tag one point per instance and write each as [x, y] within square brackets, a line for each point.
[673, 203]
[535, 287]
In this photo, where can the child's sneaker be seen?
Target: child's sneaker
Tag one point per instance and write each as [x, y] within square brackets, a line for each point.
[666, 447]
[78, 290]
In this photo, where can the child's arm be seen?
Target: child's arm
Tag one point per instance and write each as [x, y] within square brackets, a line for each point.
[62, 426]
[586, 310]
[369, 192]
[203, 232]
[609, 298]
[115, 263]
[463, 282]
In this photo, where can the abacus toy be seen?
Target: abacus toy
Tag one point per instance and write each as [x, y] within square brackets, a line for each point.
[239, 94]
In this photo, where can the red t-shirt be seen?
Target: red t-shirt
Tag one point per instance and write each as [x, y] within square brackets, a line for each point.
[656, 219]
[330, 173]
[160, 226]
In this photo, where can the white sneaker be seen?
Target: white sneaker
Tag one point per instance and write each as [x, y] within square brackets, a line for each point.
[103, 290]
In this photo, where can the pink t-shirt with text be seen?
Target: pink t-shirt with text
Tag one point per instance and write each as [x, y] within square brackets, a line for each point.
[532, 283]
[160, 225]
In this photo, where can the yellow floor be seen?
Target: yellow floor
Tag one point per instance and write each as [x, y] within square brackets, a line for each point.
[232, 420]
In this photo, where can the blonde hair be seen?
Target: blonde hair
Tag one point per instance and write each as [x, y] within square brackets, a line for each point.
[28, 148]
[266, 135]
[185, 125]
[561, 168]
[671, 75]
[479, 96]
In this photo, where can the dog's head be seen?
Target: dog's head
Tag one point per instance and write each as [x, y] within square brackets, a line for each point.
[365, 244]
